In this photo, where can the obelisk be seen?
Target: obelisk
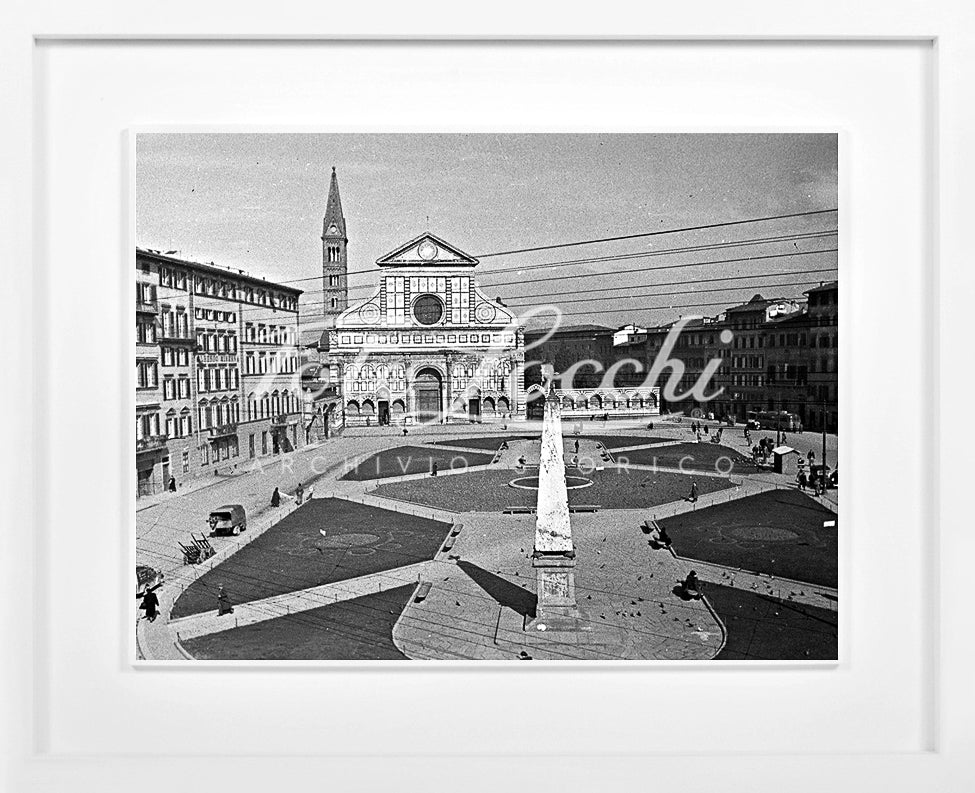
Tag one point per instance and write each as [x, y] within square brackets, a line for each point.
[554, 557]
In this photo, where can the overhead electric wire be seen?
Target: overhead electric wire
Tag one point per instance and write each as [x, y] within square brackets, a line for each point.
[790, 237]
[658, 233]
[682, 265]
[319, 323]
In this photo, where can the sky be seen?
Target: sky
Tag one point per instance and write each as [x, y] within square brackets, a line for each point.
[255, 202]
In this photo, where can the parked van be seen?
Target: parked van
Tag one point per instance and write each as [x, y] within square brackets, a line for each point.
[228, 519]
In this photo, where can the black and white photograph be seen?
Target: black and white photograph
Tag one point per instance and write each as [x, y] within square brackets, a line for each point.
[486, 397]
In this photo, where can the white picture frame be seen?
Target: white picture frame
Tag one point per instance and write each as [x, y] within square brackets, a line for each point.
[892, 715]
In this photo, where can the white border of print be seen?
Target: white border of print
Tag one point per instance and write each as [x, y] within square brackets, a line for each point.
[494, 721]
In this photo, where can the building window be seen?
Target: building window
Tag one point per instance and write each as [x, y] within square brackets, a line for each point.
[146, 332]
[147, 374]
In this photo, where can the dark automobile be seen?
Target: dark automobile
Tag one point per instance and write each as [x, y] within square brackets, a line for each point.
[146, 578]
[228, 519]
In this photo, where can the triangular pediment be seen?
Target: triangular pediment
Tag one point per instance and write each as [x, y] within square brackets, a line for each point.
[427, 250]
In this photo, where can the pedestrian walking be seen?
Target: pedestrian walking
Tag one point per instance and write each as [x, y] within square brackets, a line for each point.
[150, 604]
[577, 446]
[276, 498]
[811, 456]
[693, 496]
[801, 480]
[433, 469]
[405, 432]
[223, 602]
[299, 494]
[172, 484]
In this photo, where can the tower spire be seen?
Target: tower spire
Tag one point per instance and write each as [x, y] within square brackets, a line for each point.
[335, 260]
[333, 224]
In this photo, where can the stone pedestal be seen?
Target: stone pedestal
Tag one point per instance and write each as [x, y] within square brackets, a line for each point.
[556, 589]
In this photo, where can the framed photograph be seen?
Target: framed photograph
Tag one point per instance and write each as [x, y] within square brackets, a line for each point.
[554, 453]
[470, 405]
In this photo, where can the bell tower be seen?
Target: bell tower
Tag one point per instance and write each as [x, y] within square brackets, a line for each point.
[335, 243]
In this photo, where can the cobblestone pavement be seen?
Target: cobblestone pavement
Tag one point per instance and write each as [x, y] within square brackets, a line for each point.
[478, 604]
[624, 588]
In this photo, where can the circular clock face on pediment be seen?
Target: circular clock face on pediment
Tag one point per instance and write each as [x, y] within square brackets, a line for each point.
[428, 251]
[333, 229]
[369, 314]
[485, 312]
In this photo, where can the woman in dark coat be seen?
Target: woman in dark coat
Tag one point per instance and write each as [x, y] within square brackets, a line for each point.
[223, 601]
[150, 605]
[275, 498]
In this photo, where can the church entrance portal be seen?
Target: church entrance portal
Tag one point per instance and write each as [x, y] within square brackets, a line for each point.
[428, 395]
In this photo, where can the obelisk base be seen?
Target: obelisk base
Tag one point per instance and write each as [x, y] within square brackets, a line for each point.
[556, 608]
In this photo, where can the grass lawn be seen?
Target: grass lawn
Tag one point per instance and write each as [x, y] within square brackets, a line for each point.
[779, 532]
[490, 442]
[293, 555]
[405, 460]
[766, 628]
[618, 441]
[695, 456]
[488, 491]
[358, 629]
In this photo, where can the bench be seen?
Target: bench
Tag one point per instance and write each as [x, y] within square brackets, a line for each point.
[449, 544]
[422, 591]
[517, 510]
[457, 528]
[585, 507]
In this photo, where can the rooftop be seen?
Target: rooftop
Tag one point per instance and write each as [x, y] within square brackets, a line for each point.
[830, 286]
[215, 269]
[584, 328]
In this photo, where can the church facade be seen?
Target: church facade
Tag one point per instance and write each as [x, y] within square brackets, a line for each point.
[427, 346]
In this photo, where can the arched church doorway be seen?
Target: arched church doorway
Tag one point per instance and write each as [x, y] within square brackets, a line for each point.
[428, 395]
